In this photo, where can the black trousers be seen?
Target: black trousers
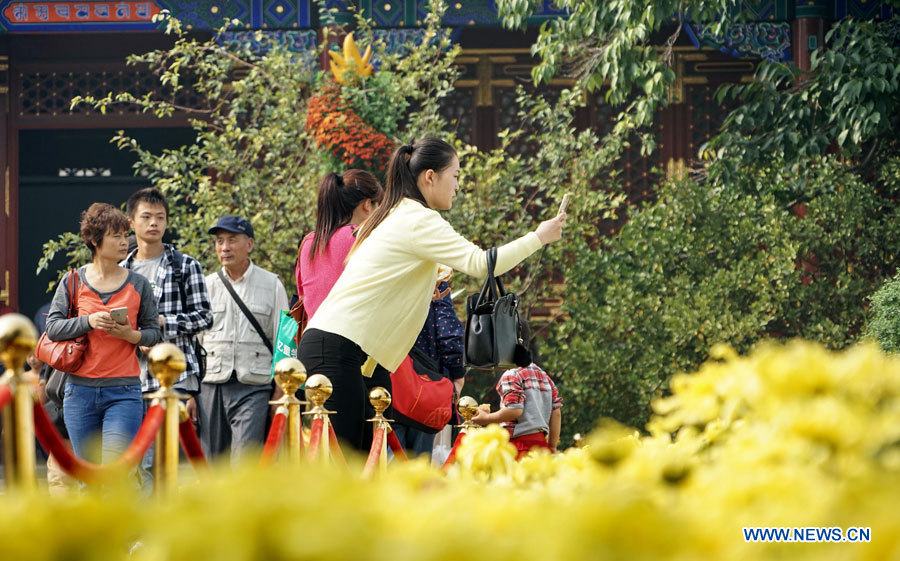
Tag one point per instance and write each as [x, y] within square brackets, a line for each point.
[340, 360]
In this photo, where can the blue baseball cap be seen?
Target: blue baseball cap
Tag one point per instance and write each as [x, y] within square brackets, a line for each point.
[233, 224]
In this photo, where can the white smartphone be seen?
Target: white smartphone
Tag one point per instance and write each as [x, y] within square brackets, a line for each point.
[565, 203]
[119, 315]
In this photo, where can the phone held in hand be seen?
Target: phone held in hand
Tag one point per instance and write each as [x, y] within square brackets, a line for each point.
[565, 203]
[444, 273]
[119, 315]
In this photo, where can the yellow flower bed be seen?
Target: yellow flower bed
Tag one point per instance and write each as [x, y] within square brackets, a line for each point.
[791, 436]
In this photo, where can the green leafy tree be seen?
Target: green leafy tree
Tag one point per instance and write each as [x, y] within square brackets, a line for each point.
[608, 44]
[783, 233]
[845, 105]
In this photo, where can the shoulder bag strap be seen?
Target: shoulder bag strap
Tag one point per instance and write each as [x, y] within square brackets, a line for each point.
[250, 317]
[73, 294]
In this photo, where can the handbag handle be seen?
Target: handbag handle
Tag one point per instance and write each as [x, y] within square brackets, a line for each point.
[492, 285]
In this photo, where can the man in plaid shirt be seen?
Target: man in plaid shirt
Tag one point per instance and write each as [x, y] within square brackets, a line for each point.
[180, 289]
[529, 409]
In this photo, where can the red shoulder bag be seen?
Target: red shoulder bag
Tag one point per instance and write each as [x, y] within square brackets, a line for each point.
[65, 356]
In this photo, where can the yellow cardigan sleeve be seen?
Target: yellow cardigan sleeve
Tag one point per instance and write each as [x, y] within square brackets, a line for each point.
[435, 239]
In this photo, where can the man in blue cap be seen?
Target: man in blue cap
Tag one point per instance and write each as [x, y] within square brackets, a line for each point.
[246, 304]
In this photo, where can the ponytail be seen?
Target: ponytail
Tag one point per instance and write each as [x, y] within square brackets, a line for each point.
[406, 164]
[339, 195]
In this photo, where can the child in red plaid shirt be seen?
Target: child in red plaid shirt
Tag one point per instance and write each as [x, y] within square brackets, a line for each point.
[529, 409]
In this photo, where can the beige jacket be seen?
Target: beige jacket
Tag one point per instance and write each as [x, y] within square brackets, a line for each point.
[232, 344]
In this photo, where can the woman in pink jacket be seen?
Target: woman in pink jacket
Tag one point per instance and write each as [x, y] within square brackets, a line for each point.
[344, 202]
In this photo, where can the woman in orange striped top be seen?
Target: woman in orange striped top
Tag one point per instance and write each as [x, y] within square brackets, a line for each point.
[103, 397]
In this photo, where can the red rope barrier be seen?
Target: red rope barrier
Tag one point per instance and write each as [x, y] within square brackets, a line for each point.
[335, 447]
[86, 471]
[276, 435]
[191, 445]
[315, 438]
[396, 447]
[5, 396]
[452, 457]
[374, 453]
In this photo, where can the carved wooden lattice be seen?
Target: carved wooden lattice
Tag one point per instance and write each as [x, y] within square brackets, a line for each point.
[705, 115]
[48, 92]
[457, 108]
[508, 115]
[636, 172]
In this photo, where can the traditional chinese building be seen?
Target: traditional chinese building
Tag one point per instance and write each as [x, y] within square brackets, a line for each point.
[56, 160]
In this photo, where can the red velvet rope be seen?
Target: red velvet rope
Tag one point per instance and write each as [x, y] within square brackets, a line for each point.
[452, 457]
[191, 445]
[276, 435]
[374, 453]
[86, 471]
[315, 437]
[396, 448]
[335, 447]
[5, 396]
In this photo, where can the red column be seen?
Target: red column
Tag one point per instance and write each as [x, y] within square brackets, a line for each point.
[809, 29]
[9, 203]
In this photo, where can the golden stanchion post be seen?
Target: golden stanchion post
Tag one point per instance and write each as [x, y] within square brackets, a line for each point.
[467, 407]
[166, 361]
[380, 399]
[290, 374]
[18, 338]
[318, 390]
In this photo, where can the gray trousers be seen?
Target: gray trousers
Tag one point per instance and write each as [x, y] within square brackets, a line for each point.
[232, 414]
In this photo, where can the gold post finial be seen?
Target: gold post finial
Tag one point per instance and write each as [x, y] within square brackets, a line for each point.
[18, 338]
[380, 399]
[318, 389]
[290, 375]
[166, 362]
[467, 407]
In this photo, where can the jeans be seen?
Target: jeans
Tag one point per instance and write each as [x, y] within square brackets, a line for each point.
[113, 414]
[340, 359]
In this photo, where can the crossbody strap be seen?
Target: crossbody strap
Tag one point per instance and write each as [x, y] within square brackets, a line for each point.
[250, 317]
[72, 312]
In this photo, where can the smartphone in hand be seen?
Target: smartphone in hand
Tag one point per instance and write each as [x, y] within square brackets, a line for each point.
[565, 203]
[119, 315]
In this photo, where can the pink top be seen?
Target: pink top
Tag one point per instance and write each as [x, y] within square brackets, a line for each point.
[320, 273]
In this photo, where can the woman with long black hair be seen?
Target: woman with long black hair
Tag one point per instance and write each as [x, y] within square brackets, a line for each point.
[377, 307]
[344, 202]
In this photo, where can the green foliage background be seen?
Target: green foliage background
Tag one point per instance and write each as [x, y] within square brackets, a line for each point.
[723, 255]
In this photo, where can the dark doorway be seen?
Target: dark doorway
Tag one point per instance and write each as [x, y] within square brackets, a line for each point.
[61, 172]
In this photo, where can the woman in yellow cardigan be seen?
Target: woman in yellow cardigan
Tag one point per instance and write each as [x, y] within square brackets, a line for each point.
[380, 302]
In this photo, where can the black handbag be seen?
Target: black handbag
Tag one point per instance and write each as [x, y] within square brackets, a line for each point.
[492, 324]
